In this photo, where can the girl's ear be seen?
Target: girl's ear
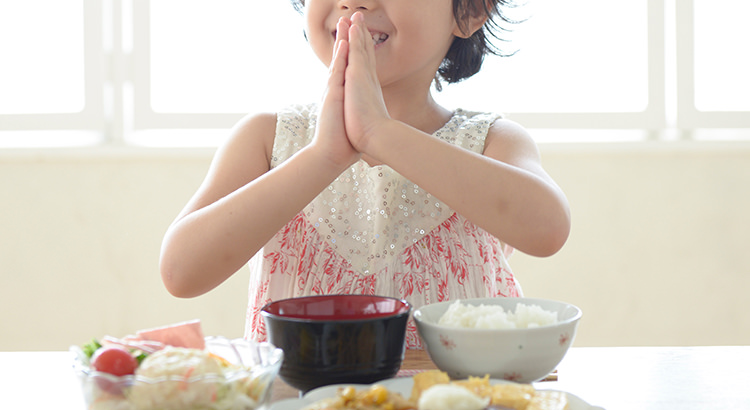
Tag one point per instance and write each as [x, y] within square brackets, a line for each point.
[472, 20]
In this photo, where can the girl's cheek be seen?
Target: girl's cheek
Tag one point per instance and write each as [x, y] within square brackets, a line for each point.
[321, 45]
[323, 50]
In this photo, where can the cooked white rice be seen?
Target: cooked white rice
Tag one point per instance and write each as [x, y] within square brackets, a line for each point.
[451, 397]
[495, 317]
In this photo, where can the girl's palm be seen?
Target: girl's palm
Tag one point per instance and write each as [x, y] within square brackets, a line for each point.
[364, 107]
[331, 133]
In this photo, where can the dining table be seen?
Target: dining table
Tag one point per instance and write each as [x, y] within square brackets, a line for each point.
[611, 378]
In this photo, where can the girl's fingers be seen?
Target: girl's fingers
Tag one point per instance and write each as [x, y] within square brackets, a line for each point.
[364, 107]
[340, 49]
[361, 41]
[338, 64]
[342, 34]
[342, 28]
[358, 31]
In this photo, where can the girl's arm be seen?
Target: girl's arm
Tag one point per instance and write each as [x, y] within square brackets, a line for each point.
[505, 191]
[238, 208]
[242, 203]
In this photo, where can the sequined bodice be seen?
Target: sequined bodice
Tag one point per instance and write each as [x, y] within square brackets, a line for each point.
[369, 214]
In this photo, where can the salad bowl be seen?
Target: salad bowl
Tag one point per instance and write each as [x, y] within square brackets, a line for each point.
[240, 377]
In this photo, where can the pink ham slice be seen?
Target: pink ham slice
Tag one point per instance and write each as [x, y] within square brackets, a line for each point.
[185, 334]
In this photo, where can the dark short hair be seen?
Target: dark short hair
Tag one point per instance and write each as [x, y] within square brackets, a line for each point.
[466, 55]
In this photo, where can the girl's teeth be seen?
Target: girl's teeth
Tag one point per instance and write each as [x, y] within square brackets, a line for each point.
[378, 38]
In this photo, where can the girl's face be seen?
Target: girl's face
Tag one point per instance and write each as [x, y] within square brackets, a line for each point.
[411, 36]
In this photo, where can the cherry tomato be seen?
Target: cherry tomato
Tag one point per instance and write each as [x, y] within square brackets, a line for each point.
[116, 361]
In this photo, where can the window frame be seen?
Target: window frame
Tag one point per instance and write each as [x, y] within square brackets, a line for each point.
[92, 116]
[689, 118]
[117, 105]
[652, 118]
[144, 116]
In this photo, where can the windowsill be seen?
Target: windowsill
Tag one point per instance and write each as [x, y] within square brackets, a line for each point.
[92, 144]
[203, 143]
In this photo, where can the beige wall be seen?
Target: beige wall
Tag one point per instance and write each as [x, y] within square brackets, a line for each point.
[657, 254]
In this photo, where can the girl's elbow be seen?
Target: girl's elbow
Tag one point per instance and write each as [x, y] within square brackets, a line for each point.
[555, 237]
[174, 281]
[553, 245]
[175, 269]
[545, 235]
[171, 284]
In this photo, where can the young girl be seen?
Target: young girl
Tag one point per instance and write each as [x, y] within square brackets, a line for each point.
[377, 189]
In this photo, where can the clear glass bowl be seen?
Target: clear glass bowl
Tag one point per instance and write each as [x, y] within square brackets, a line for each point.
[244, 385]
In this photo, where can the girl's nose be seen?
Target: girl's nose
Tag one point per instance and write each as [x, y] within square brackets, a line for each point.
[354, 5]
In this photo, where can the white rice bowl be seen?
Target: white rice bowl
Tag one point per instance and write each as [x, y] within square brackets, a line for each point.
[516, 339]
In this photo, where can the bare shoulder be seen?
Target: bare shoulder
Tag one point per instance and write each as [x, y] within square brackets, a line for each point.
[509, 142]
[244, 156]
[249, 145]
[251, 122]
[253, 131]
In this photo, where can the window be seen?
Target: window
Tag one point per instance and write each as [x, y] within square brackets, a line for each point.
[562, 66]
[714, 85]
[143, 71]
[580, 64]
[50, 72]
[721, 80]
[236, 56]
[34, 86]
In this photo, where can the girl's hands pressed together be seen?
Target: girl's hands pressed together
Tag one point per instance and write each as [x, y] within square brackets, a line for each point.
[331, 135]
[364, 107]
[353, 103]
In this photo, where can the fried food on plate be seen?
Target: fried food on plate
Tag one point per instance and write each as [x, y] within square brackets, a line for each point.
[503, 395]
[434, 390]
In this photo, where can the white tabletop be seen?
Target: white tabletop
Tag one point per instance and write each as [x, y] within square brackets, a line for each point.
[39, 380]
[615, 378]
[657, 378]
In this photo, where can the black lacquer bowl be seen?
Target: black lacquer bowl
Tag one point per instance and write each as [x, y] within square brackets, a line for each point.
[332, 339]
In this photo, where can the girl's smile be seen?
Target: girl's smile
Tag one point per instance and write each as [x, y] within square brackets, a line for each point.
[377, 37]
[411, 38]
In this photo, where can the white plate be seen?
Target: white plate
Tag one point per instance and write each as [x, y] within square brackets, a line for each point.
[400, 385]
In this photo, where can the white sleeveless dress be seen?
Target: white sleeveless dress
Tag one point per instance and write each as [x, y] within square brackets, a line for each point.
[372, 231]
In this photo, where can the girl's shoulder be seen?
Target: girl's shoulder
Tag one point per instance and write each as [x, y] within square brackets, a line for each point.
[510, 142]
[269, 131]
[507, 131]
[252, 132]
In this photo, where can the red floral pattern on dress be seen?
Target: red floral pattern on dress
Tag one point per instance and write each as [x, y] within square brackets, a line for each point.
[456, 260]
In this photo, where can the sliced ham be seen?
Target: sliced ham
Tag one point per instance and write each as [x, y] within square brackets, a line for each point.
[185, 334]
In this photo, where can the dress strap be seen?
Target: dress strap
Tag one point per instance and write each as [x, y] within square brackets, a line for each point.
[295, 128]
